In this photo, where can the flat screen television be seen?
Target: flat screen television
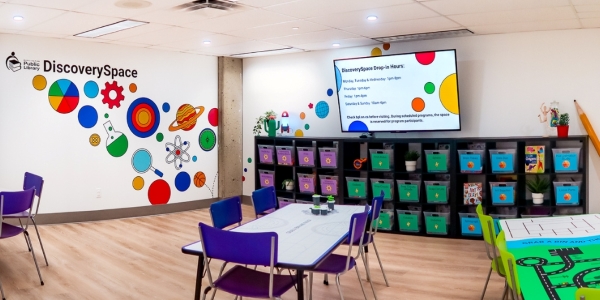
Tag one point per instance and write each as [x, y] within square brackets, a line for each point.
[398, 93]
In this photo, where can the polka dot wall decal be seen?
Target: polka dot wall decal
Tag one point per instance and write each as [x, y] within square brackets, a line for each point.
[159, 192]
[133, 87]
[425, 58]
[418, 104]
[106, 116]
[358, 126]
[429, 88]
[386, 46]
[90, 89]
[160, 137]
[213, 117]
[449, 94]
[306, 126]
[299, 133]
[138, 183]
[322, 109]
[182, 181]
[249, 160]
[329, 92]
[302, 116]
[194, 158]
[376, 52]
[166, 107]
[87, 116]
[243, 178]
[39, 82]
[245, 169]
[310, 105]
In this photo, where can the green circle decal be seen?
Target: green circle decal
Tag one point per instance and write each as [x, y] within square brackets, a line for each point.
[207, 139]
[429, 88]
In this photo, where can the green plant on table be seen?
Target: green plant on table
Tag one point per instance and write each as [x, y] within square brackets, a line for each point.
[260, 121]
[411, 155]
[538, 185]
[563, 119]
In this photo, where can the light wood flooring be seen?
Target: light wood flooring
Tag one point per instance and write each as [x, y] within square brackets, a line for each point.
[140, 258]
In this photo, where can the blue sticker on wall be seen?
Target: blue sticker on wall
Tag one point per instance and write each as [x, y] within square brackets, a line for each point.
[87, 116]
[182, 181]
[322, 109]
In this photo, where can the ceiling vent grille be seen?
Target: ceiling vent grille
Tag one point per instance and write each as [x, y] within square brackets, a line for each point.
[202, 4]
[424, 36]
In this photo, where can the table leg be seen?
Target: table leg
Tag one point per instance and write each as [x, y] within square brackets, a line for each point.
[300, 283]
[199, 275]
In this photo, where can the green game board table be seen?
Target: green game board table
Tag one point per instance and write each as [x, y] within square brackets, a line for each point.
[555, 255]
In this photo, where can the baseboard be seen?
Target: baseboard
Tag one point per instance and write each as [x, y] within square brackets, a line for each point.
[109, 214]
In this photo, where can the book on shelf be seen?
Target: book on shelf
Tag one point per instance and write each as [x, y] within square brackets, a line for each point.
[473, 193]
[534, 159]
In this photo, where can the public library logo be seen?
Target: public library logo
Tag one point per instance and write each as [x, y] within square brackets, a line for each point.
[13, 63]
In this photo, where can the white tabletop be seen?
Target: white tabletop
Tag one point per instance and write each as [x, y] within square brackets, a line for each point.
[304, 238]
[551, 227]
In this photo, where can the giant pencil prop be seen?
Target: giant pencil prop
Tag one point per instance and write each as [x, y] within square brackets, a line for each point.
[588, 127]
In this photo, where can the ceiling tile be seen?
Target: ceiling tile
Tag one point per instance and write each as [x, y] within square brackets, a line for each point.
[87, 40]
[32, 16]
[128, 33]
[108, 8]
[356, 42]
[585, 2]
[43, 34]
[263, 3]
[330, 36]
[404, 27]
[459, 7]
[163, 48]
[589, 14]
[590, 23]
[384, 14]
[166, 36]
[516, 16]
[122, 43]
[526, 26]
[216, 40]
[279, 30]
[56, 4]
[251, 46]
[181, 18]
[587, 8]
[73, 23]
[247, 19]
[315, 8]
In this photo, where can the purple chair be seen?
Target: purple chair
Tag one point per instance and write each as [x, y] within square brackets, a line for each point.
[258, 249]
[226, 212]
[264, 200]
[340, 264]
[16, 203]
[37, 182]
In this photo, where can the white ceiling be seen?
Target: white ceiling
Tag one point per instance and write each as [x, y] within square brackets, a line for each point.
[261, 25]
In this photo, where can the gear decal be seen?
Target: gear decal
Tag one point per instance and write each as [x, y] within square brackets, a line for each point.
[112, 99]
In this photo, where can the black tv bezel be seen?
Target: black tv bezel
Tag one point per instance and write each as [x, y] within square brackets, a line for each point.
[402, 131]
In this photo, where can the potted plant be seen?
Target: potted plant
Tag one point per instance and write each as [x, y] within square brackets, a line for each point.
[410, 159]
[538, 187]
[288, 184]
[260, 121]
[330, 202]
[562, 128]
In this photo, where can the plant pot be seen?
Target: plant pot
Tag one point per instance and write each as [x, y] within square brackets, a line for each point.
[411, 166]
[331, 205]
[289, 186]
[562, 130]
[538, 198]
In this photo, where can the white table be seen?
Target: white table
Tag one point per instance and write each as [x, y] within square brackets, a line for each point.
[304, 239]
[551, 227]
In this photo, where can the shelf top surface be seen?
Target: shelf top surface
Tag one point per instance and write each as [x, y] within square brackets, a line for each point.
[430, 139]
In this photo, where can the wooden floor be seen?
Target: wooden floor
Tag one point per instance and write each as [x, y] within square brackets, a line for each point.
[140, 258]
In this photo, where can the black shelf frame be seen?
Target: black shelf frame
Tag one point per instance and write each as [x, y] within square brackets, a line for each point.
[350, 148]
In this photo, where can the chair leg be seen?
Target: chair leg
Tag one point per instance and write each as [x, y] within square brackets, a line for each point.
[2, 292]
[339, 287]
[505, 293]
[486, 283]
[310, 283]
[371, 282]
[365, 259]
[380, 264]
[325, 279]
[40, 239]
[360, 282]
[26, 242]
[34, 259]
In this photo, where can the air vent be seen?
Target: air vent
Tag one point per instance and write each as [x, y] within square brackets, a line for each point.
[424, 36]
[202, 4]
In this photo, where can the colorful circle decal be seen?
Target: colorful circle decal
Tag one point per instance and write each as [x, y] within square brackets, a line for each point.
[245, 169]
[160, 137]
[95, 139]
[243, 178]
[166, 107]
[186, 117]
[418, 104]
[143, 117]
[106, 116]
[358, 126]
[429, 88]
[249, 160]
[87, 116]
[194, 158]
[182, 181]
[133, 87]
[386, 46]
[306, 126]
[90, 89]
[213, 117]
[138, 183]
[39, 82]
[329, 92]
[449, 94]
[63, 96]
[207, 139]
[299, 133]
[199, 179]
[376, 52]
[425, 58]
[159, 192]
[322, 109]
[302, 116]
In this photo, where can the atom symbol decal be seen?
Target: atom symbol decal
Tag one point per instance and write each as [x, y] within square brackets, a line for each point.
[178, 152]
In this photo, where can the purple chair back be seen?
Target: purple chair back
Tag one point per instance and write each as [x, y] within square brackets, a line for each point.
[376, 208]
[264, 199]
[17, 202]
[361, 222]
[226, 212]
[33, 181]
[239, 247]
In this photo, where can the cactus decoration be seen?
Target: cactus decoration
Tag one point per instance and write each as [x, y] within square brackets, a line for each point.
[270, 126]
[260, 122]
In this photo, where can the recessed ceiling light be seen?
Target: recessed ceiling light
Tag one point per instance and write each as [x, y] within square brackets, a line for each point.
[18, 18]
[112, 28]
[206, 42]
[295, 28]
[335, 45]
[372, 18]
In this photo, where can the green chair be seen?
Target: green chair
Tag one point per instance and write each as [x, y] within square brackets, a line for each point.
[587, 294]
[488, 229]
[509, 262]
